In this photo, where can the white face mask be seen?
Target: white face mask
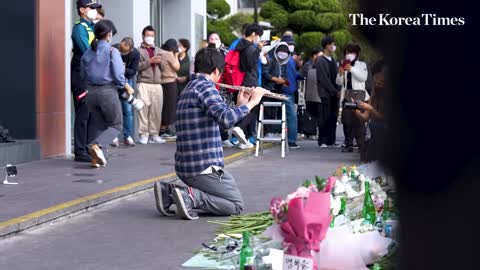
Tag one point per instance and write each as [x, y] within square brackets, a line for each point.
[291, 48]
[334, 48]
[150, 41]
[218, 43]
[92, 14]
[282, 55]
[351, 57]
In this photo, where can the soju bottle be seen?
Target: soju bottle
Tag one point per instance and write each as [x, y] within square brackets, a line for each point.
[387, 214]
[343, 206]
[247, 256]
[369, 212]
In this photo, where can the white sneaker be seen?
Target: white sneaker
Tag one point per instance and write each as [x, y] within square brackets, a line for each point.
[157, 139]
[227, 144]
[323, 146]
[247, 145]
[115, 143]
[143, 139]
[129, 141]
[238, 132]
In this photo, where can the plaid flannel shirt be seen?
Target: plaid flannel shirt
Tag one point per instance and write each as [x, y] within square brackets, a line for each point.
[200, 112]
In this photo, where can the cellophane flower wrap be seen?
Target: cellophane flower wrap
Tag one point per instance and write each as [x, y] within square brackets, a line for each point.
[304, 219]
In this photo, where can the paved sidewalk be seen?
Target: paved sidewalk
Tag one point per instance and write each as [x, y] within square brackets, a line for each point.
[53, 188]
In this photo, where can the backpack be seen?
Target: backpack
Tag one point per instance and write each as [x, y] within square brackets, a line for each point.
[232, 74]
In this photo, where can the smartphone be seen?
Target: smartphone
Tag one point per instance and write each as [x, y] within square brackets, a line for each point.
[267, 42]
[345, 62]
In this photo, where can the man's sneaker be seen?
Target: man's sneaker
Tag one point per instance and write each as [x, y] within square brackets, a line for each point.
[234, 140]
[247, 145]
[252, 140]
[129, 141]
[227, 144]
[323, 145]
[143, 139]
[183, 198]
[293, 145]
[115, 143]
[347, 149]
[163, 198]
[238, 132]
[98, 158]
[157, 139]
[170, 134]
[83, 158]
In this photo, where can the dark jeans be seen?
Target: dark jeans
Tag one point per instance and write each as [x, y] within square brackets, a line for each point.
[105, 105]
[84, 127]
[127, 110]
[353, 128]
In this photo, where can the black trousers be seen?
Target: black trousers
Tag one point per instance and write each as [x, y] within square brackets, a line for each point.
[84, 127]
[353, 128]
[246, 122]
[327, 120]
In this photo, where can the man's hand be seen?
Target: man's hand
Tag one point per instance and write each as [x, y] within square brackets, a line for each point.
[155, 60]
[256, 96]
[279, 81]
[365, 106]
[129, 89]
[261, 44]
[243, 98]
[348, 67]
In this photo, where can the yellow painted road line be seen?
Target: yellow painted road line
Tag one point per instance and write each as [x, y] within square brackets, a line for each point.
[78, 201]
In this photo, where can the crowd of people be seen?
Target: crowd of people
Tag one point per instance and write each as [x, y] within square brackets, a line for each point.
[176, 92]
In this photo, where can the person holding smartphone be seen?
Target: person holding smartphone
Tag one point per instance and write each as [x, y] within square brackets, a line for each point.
[150, 89]
[352, 75]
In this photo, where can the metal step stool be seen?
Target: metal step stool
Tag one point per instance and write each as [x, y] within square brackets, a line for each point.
[261, 122]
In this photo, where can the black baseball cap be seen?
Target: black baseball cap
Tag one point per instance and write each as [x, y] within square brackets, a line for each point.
[88, 3]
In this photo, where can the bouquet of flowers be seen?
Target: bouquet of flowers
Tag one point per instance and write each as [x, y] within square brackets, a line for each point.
[304, 217]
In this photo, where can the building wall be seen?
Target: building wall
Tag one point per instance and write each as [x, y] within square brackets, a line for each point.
[17, 104]
[199, 24]
[176, 19]
[141, 18]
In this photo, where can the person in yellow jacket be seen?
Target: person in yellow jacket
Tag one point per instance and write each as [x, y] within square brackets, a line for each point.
[82, 37]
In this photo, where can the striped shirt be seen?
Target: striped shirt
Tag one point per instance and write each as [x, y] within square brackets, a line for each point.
[200, 112]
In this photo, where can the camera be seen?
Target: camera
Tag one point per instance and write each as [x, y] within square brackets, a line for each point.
[131, 99]
[351, 105]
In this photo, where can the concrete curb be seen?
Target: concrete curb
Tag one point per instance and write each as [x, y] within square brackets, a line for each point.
[14, 226]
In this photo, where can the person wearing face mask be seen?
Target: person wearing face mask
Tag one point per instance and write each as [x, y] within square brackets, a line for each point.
[214, 38]
[150, 89]
[275, 79]
[199, 161]
[329, 94]
[130, 58]
[250, 48]
[184, 72]
[104, 73]
[82, 36]
[352, 76]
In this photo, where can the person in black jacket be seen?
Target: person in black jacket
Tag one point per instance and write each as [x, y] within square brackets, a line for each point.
[131, 58]
[329, 93]
[250, 48]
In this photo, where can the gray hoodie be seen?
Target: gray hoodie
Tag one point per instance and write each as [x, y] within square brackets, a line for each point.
[275, 67]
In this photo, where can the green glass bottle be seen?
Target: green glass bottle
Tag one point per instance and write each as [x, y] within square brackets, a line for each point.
[344, 171]
[386, 214]
[343, 206]
[369, 212]
[247, 256]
